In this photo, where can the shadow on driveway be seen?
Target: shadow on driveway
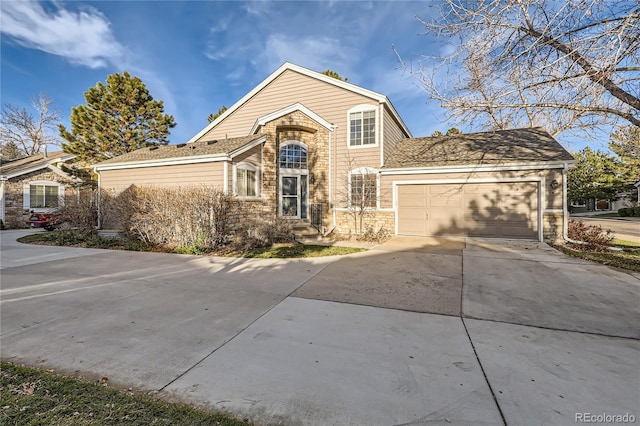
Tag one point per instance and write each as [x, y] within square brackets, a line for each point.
[410, 274]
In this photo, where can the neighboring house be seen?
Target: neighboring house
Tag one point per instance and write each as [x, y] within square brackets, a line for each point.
[34, 183]
[624, 199]
[311, 148]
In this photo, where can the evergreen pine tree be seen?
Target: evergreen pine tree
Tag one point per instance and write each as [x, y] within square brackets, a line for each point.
[119, 117]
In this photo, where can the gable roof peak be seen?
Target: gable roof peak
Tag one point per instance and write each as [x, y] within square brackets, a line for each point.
[288, 66]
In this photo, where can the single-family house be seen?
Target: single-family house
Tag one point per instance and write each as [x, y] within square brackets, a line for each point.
[314, 149]
[34, 183]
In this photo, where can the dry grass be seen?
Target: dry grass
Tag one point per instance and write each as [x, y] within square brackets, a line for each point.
[37, 397]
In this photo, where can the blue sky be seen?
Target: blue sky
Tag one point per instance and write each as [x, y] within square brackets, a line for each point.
[199, 55]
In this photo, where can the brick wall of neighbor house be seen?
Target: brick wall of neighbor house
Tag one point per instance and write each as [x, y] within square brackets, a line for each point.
[15, 215]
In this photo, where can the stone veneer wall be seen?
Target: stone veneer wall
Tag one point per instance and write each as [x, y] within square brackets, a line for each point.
[15, 215]
[375, 219]
[552, 227]
[299, 127]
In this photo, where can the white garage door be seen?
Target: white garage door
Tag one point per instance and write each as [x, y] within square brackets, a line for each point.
[495, 210]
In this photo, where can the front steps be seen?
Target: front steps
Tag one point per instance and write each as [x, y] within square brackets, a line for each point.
[303, 231]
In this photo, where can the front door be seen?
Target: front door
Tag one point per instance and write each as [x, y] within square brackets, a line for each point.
[293, 196]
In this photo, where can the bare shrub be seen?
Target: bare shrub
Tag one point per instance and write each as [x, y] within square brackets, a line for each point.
[116, 209]
[591, 237]
[258, 233]
[80, 211]
[372, 235]
[192, 216]
[198, 218]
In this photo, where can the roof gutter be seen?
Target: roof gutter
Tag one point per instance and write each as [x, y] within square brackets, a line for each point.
[477, 168]
[41, 166]
[163, 162]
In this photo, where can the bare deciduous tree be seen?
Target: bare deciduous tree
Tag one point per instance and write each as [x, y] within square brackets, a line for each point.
[569, 65]
[359, 194]
[28, 133]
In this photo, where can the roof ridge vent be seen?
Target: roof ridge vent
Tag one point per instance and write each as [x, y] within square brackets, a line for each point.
[181, 145]
[153, 148]
[212, 142]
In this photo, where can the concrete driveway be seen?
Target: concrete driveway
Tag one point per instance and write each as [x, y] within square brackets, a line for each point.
[416, 331]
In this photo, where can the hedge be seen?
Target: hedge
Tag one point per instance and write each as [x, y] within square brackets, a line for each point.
[629, 211]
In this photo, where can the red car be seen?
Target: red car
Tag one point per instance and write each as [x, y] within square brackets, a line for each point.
[48, 220]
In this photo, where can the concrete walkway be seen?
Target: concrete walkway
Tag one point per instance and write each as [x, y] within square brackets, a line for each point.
[416, 331]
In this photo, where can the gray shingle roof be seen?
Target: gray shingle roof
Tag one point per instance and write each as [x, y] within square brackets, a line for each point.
[16, 167]
[498, 147]
[213, 147]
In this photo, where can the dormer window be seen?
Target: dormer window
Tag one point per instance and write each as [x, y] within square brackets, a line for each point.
[362, 126]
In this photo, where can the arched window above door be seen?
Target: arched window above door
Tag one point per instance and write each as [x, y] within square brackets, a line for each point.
[293, 155]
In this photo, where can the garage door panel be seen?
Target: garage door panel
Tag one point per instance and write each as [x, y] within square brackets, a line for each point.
[415, 214]
[411, 190]
[501, 210]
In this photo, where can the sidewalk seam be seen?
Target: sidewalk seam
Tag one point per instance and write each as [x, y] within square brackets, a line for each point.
[475, 352]
[243, 329]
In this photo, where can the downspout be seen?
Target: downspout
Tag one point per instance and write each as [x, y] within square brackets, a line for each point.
[565, 211]
[333, 206]
[99, 199]
[3, 179]
[331, 180]
[225, 177]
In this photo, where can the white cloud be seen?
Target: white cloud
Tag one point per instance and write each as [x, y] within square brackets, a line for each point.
[317, 53]
[83, 38]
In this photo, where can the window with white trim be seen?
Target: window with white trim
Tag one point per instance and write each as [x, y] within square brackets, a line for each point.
[246, 181]
[42, 195]
[293, 155]
[363, 188]
[362, 127]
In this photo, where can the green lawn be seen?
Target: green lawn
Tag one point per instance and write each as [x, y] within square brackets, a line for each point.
[296, 250]
[36, 397]
[607, 215]
[77, 239]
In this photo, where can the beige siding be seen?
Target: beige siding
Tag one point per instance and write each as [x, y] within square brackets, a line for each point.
[164, 176]
[505, 210]
[552, 197]
[392, 133]
[500, 194]
[252, 156]
[326, 100]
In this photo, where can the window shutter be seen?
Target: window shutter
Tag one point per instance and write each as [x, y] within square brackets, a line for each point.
[26, 196]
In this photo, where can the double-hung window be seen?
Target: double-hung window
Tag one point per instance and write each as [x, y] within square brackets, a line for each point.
[364, 188]
[246, 181]
[42, 195]
[362, 128]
